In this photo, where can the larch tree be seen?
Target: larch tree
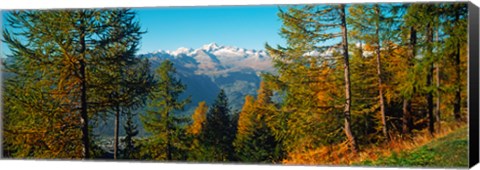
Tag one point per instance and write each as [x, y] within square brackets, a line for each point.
[373, 24]
[310, 31]
[455, 42]
[59, 53]
[429, 15]
[128, 80]
[196, 130]
[165, 127]
[255, 141]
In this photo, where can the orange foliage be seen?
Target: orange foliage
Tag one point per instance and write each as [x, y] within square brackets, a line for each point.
[340, 155]
[199, 117]
[244, 120]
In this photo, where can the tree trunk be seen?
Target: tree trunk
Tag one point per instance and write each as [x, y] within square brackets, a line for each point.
[169, 142]
[458, 74]
[348, 131]
[83, 97]
[379, 76]
[431, 120]
[407, 122]
[437, 75]
[117, 124]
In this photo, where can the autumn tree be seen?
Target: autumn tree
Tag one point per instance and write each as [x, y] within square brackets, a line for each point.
[374, 25]
[317, 40]
[60, 53]
[197, 132]
[254, 141]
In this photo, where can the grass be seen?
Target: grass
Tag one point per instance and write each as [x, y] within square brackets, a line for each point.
[450, 150]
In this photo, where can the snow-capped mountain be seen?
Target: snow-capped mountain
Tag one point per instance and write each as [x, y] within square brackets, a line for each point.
[216, 61]
[212, 67]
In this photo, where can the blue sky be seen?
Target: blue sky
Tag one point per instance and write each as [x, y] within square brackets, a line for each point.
[241, 26]
[169, 28]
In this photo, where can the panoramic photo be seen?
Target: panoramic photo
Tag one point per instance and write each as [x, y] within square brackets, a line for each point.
[368, 84]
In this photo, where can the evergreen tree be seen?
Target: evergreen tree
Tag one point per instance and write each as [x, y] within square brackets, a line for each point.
[219, 132]
[131, 131]
[165, 127]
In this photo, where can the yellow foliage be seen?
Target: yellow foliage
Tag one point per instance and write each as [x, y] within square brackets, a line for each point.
[340, 154]
[245, 117]
[199, 117]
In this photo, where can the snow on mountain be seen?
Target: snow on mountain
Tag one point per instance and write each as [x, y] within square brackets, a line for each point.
[212, 67]
[214, 60]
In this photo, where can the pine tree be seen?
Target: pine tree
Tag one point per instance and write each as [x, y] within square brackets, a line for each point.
[166, 128]
[219, 132]
[131, 131]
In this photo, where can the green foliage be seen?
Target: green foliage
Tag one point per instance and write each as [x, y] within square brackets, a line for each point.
[219, 131]
[62, 60]
[166, 129]
[255, 141]
[131, 131]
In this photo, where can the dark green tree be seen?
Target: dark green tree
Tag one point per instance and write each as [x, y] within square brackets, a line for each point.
[219, 131]
[131, 131]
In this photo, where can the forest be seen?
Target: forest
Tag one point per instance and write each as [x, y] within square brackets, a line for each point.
[355, 82]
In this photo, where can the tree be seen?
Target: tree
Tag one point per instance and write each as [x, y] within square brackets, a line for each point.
[219, 132]
[130, 131]
[429, 15]
[456, 29]
[371, 24]
[307, 29]
[161, 122]
[254, 141]
[61, 54]
[128, 80]
[197, 132]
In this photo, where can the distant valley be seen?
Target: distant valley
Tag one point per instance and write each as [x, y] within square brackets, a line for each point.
[208, 69]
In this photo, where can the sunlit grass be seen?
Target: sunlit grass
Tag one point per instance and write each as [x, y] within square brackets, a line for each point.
[447, 148]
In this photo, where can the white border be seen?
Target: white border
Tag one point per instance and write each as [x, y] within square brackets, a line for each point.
[87, 165]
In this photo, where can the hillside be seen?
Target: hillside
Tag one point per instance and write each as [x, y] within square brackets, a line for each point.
[448, 151]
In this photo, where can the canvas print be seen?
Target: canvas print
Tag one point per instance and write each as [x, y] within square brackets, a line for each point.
[368, 84]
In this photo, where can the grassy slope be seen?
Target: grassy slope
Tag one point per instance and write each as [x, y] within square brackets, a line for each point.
[448, 151]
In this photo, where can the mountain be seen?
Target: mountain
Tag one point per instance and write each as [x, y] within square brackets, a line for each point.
[211, 67]
[208, 69]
